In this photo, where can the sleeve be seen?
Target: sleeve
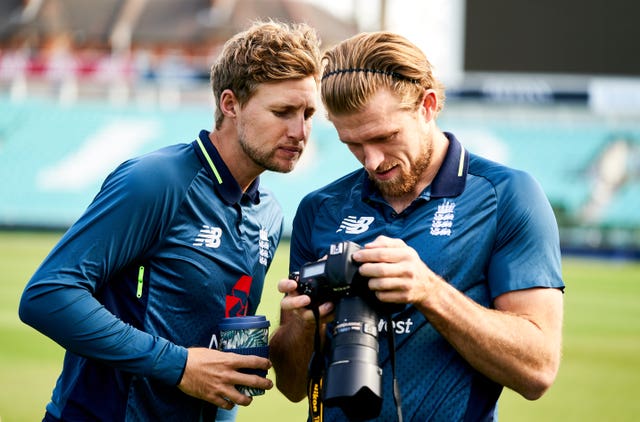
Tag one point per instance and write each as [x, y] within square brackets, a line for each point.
[124, 221]
[527, 249]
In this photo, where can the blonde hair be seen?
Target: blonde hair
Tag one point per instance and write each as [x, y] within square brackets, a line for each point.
[268, 51]
[355, 69]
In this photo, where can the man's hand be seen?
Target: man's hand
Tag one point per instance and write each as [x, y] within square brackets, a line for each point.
[292, 343]
[296, 303]
[395, 271]
[212, 375]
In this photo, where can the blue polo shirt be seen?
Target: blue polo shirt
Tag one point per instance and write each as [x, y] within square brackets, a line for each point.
[483, 227]
[168, 247]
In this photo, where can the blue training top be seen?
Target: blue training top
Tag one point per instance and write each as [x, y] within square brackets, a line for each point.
[168, 247]
[483, 227]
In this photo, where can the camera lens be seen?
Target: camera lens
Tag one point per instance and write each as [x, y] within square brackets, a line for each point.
[354, 378]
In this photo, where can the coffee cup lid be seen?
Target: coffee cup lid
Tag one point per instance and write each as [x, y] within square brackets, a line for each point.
[239, 323]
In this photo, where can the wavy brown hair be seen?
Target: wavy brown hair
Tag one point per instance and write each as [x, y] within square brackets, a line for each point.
[268, 51]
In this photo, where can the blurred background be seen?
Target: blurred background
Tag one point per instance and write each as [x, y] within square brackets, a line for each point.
[549, 87]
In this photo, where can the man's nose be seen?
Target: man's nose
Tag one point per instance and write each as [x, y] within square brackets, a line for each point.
[373, 157]
[298, 128]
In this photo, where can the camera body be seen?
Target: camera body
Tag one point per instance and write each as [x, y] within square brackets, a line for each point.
[334, 278]
[353, 377]
[338, 277]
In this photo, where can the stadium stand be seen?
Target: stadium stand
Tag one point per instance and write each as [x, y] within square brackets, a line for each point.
[49, 177]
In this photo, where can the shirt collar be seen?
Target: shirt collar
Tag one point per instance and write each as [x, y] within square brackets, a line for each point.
[224, 183]
[449, 181]
[452, 176]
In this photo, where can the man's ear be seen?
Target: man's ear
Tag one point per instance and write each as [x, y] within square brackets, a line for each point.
[430, 103]
[229, 103]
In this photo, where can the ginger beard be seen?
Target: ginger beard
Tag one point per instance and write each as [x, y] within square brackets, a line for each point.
[405, 182]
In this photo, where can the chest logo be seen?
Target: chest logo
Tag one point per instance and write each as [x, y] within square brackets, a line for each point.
[208, 237]
[354, 225]
[237, 303]
[263, 246]
[443, 219]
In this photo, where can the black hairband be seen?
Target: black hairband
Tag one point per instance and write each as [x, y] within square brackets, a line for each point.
[381, 72]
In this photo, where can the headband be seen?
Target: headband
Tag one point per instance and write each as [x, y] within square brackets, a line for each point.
[362, 70]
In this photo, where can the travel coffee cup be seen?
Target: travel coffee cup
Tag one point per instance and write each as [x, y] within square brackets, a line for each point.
[247, 335]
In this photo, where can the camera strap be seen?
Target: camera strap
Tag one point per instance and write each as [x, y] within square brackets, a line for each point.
[392, 358]
[316, 374]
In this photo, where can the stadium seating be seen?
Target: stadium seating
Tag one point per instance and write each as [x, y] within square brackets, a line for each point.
[42, 143]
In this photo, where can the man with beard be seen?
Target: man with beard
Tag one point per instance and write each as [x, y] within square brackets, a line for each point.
[175, 241]
[467, 247]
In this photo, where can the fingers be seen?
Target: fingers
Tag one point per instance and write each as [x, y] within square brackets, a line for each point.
[292, 303]
[386, 250]
[238, 361]
[212, 375]
[228, 403]
[254, 381]
[296, 305]
[287, 286]
[292, 300]
[225, 403]
[228, 395]
[394, 270]
[385, 242]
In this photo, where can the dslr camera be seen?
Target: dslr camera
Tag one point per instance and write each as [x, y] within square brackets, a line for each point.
[334, 278]
[353, 377]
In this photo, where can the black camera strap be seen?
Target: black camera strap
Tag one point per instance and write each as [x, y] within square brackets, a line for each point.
[392, 358]
[316, 374]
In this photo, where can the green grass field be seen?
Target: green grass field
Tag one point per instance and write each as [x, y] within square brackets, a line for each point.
[599, 378]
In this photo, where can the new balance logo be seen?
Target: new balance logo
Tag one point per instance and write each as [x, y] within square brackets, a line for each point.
[208, 237]
[354, 225]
